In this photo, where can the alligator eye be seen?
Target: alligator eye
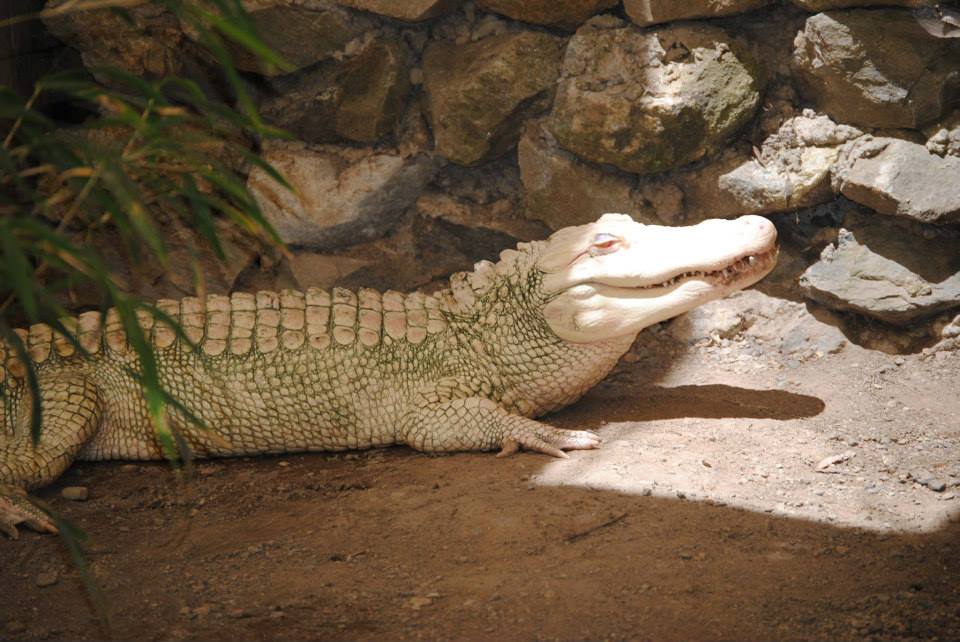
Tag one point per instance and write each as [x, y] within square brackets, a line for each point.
[604, 243]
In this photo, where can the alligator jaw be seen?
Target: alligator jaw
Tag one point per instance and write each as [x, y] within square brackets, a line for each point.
[746, 268]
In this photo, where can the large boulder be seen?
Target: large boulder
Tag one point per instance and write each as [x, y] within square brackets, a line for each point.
[480, 93]
[886, 271]
[651, 100]
[792, 167]
[408, 10]
[562, 190]
[650, 12]
[564, 14]
[901, 178]
[147, 45]
[902, 79]
[341, 196]
[360, 98]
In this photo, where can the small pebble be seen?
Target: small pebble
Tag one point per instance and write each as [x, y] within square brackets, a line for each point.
[47, 578]
[75, 493]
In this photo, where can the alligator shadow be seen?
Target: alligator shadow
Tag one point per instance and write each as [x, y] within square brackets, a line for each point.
[709, 401]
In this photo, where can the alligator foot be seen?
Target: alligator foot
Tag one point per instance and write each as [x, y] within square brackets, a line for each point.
[16, 508]
[539, 437]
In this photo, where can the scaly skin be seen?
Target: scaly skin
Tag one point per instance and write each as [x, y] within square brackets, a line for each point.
[464, 369]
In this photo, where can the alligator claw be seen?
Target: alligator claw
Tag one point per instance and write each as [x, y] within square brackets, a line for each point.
[549, 441]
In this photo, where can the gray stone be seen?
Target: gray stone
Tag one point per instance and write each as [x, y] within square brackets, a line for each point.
[792, 168]
[481, 93]
[900, 80]
[652, 100]
[708, 323]
[565, 14]
[880, 271]
[562, 190]
[926, 478]
[901, 178]
[342, 196]
[776, 322]
[407, 10]
[649, 12]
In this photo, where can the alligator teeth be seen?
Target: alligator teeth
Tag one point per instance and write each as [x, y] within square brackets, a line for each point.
[752, 260]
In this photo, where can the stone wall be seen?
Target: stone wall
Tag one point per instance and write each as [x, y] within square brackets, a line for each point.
[434, 133]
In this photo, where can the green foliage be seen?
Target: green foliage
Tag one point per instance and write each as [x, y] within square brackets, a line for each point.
[158, 151]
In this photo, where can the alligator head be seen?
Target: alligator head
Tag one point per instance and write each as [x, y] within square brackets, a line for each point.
[614, 277]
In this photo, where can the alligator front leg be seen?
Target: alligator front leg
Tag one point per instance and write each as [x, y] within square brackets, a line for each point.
[71, 416]
[477, 423]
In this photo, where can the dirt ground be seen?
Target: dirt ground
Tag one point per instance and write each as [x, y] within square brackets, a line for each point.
[739, 495]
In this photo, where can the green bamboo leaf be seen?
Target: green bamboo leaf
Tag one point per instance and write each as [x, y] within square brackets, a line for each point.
[203, 216]
[18, 271]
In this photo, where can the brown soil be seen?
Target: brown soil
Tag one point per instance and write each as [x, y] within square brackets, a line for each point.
[703, 517]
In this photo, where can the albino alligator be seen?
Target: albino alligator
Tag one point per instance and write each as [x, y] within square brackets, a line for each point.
[464, 369]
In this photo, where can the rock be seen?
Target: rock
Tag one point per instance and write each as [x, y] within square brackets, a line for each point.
[792, 168]
[151, 46]
[47, 578]
[649, 101]
[832, 460]
[944, 137]
[471, 214]
[360, 98]
[305, 103]
[779, 323]
[301, 34]
[897, 177]
[315, 270]
[481, 93]
[75, 493]
[562, 190]
[901, 80]
[375, 88]
[711, 324]
[827, 5]
[805, 336]
[408, 10]
[649, 12]
[886, 283]
[692, 193]
[937, 19]
[928, 479]
[342, 196]
[564, 14]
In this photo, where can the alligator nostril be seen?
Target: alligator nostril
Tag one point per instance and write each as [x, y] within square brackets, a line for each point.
[763, 224]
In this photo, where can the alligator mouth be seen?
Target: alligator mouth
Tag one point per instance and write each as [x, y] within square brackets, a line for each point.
[742, 269]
